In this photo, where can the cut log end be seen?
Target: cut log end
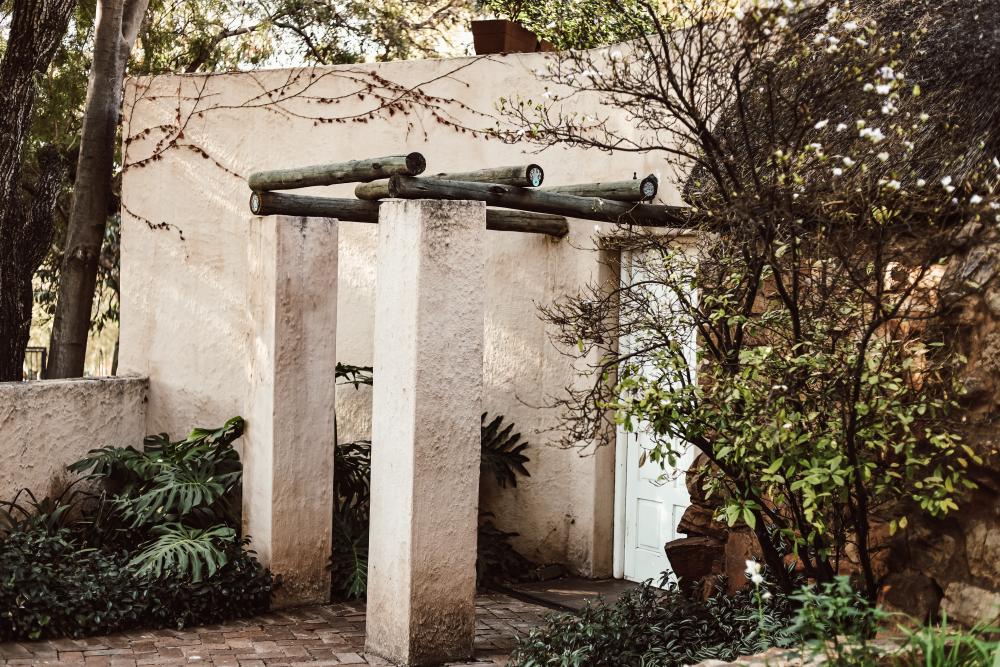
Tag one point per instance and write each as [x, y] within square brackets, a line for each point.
[535, 175]
[416, 164]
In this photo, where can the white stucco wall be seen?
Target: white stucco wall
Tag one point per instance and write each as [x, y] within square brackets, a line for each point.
[47, 424]
[185, 318]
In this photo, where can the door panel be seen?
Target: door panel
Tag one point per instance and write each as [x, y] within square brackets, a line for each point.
[655, 497]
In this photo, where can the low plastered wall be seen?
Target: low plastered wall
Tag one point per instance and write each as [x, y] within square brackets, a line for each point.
[47, 424]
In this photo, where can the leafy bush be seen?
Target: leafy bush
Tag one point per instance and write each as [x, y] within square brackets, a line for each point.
[181, 499]
[52, 586]
[647, 626]
[69, 566]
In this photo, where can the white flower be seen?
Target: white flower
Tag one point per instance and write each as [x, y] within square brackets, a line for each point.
[547, 94]
[837, 171]
[757, 579]
[996, 163]
[893, 184]
[861, 41]
[782, 22]
[850, 26]
[766, 595]
[848, 162]
[924, 117]
[975, 199]
[821, 124]
[946, 181]
[753, 568]
[868, 87]
[883, 89]
[815, 147]
[833, 41]
[883, 156]
[818, 38]
[873, 134]
[738, 13]
[994, 205]
[886, 72]
[787, 426]
[841, 127]
[921, 182]
[888, 108]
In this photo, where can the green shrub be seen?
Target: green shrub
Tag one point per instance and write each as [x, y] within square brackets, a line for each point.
[52, 586]
[647, 626]
[70, 566]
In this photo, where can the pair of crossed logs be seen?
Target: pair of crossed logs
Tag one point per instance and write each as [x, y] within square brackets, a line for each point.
[524, 206]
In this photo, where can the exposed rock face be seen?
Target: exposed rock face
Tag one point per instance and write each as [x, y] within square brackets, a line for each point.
[694, 558]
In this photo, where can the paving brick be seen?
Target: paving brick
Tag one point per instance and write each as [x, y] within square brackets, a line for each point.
[317, 636]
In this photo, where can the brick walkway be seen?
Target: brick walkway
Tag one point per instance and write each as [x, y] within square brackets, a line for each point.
[326, 635]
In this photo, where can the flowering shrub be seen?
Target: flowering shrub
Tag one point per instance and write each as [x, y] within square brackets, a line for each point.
[802, 335]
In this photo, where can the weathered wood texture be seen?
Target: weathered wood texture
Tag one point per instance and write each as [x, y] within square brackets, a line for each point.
[529, 176]
[634, 190]
[356, 210]
[540, 201]
[523, 175]
[352, 171]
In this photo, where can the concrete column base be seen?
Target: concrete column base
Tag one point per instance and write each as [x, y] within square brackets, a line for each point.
[427, 402]
[288, 446]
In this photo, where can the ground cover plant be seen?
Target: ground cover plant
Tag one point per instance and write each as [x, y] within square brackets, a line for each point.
[668, 627]
[830, 623]
[156, 545]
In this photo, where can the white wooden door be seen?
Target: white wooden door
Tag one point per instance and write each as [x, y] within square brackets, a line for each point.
[654, 498]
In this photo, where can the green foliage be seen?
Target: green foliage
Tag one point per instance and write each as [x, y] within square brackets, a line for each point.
[47, 514]
[834, 620]
[647, 626]
[51, 585]
[349, 560]
[497, 561]
[195, 480]
[502, 452]
[69, 566]
[180, 550]
[577, 24]
[945, 646]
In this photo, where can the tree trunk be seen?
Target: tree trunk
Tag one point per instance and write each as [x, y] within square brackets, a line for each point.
[118, 23]
[37, 27]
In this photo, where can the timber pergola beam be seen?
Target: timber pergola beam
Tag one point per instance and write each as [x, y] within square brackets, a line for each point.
[357, 210]
[526, 176]
[634, 190]
[540, 201]
[352, 171]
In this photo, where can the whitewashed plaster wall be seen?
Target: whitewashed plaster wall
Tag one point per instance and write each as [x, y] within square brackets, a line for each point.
[192, 140]
[47, 424]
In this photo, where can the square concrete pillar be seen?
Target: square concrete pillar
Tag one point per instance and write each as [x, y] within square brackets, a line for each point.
[289, 441]
[426, 408]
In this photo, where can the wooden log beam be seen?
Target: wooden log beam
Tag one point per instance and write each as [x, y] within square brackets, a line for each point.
[528, 176]
[634, 190]
[540, 201]
[356, 210]
[351, 171]
[522, 175]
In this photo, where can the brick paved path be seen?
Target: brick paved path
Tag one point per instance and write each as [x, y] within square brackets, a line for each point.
[315, 636]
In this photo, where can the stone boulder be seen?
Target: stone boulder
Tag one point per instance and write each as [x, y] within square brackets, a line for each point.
[694, 558]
